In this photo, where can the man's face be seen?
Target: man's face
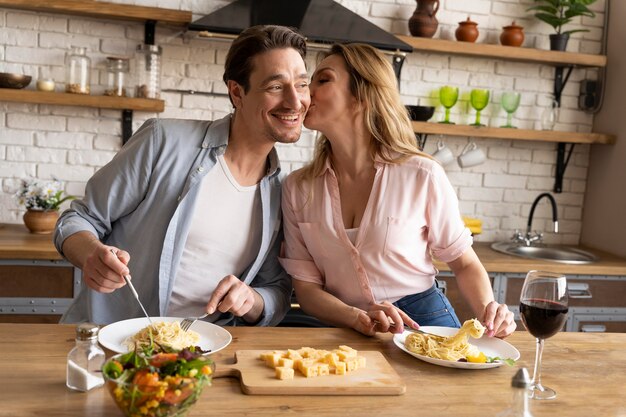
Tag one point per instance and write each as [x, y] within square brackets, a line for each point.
[278, 98]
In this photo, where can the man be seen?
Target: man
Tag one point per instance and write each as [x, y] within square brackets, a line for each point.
[196, 203]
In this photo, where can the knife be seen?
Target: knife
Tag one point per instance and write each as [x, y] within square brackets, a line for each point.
[132, 289]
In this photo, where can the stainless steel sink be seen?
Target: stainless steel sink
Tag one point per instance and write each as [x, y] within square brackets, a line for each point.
[554, 253]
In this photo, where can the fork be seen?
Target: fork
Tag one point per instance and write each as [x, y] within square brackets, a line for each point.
[187, 322]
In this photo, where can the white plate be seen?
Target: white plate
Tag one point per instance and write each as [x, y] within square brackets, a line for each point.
[212, 337]
[490, 346]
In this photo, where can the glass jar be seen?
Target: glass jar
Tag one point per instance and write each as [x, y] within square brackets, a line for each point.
[85, 360]
[117, 76]
[148, 71]
[78, 67]
[550, 115]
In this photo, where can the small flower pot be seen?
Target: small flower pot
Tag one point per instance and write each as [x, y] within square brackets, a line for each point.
[558, 41]
[41, 221]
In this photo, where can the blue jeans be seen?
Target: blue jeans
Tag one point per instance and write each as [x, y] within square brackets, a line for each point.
[429, 308]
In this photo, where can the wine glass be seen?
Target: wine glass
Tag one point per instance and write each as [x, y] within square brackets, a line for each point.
[510, 103]
[543, 308]
[448, 96]
[479, 98]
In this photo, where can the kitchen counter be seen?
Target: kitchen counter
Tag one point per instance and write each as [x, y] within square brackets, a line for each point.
[588, 372]
[493, 261]
[17, 243]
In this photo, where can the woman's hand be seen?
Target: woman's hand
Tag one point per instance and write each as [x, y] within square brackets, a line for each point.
[382, 318]
[498, 320]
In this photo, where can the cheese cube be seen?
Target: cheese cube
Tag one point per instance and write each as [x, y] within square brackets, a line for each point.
[293, 354]
[331, 359]
[347, 351]
[323, 369]
[272, 360]
[340, 368]
[286, 363]
[352, 364]
[309, 371]
[300, 364]
[284, 373]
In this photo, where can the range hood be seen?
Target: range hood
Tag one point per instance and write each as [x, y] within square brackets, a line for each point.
[320, 21]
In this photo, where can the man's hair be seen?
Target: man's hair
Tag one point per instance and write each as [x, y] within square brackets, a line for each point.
[257, 40]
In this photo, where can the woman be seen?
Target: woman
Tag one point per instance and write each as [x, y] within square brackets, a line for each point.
[362, 219]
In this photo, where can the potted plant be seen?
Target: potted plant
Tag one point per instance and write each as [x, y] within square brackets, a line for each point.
[558, 13]
[42, 201]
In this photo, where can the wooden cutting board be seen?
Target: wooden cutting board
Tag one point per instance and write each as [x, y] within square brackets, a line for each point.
[377, 378]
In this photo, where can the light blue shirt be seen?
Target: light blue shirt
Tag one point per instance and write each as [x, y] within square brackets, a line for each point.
[142, 202]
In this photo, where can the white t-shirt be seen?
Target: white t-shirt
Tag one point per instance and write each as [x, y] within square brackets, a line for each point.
[224, 238]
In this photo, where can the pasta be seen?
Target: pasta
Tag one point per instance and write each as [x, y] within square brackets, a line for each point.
[162, 333]
[450, 348]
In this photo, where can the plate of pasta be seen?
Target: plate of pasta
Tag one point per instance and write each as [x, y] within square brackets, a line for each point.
[122, 336]
[455, 349]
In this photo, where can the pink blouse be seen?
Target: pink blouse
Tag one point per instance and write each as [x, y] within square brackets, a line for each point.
[412, 212]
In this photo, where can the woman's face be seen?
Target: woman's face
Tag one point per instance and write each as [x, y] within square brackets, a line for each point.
[332, 104]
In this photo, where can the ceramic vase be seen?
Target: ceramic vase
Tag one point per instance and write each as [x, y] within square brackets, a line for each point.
[423, 23]
[467, 31]
[512, 35]
[41, 221]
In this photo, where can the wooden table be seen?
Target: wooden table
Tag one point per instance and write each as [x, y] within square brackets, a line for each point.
[587, 370]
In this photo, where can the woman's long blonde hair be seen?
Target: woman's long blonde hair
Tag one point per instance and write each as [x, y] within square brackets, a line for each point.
[373, 84]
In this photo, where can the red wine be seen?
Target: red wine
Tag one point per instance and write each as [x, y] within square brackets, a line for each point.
[543, 318]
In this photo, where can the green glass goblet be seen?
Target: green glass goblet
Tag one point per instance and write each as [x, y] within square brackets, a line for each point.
[448, 96]
[510, 103]
[479, 98]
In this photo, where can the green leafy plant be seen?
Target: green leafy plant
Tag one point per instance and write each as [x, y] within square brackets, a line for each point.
[558, 13]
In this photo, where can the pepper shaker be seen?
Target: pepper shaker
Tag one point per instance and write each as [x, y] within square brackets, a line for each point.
[519, 405]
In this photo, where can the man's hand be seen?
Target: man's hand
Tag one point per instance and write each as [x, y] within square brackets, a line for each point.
[233, 296]
[105, 267]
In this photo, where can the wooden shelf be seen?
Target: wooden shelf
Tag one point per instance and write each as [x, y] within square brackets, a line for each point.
[100, 9]
[84, 100]
[431, 128]
[509, 53]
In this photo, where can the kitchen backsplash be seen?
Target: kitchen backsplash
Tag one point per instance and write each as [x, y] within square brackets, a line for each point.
[71, 143]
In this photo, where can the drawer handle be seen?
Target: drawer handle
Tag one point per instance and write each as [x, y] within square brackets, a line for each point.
[578, 290]
[593, 328]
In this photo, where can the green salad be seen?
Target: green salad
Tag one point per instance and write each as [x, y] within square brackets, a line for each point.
[157, 385]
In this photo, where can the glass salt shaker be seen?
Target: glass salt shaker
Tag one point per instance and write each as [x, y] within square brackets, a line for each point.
[148, 68]
[85, 360]
[117, 75]
[519, 405]
[77, 67]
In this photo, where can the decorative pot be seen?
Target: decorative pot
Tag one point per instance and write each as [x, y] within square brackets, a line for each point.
[467, 31]
[41, 221]
[512, 35]
[558, 41]
[423, 23]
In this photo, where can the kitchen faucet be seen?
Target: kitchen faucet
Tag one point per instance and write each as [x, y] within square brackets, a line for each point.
[531, 238]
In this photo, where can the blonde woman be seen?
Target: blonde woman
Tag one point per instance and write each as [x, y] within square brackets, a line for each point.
[362, 220]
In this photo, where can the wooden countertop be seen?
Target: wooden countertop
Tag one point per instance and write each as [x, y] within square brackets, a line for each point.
[587, 370]
[17, 243]
[493, 261]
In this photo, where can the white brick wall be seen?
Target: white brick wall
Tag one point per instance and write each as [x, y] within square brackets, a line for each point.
[72, 143]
